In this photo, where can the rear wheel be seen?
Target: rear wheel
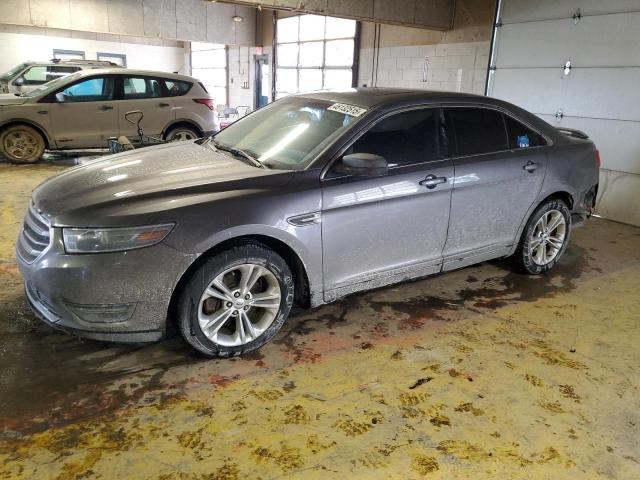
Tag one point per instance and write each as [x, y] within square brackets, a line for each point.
[21, 144]
[544, 238]
[181, 133]
[236, 301]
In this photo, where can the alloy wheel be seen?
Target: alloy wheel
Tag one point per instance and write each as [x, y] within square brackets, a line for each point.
[20, 144]
[547, 237]
[182, 135]
[239, 305]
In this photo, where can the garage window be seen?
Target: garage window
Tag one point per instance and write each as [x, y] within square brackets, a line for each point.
[209, 65]
[314, 53]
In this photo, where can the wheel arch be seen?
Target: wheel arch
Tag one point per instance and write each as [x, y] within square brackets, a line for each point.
[21, 121]
[302, 296]
[563, 195]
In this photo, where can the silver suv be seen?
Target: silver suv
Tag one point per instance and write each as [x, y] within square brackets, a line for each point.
[304, 201]
[30, 75]
[86, 108]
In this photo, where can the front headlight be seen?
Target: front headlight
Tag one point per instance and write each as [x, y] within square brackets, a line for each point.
[96, 240]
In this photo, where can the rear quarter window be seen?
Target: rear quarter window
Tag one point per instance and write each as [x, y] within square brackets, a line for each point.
[521, 136]
[177, 88]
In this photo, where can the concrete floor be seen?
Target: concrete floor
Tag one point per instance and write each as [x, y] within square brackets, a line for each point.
[480, 373]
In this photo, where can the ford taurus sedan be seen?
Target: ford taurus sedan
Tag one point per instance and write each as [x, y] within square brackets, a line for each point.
[304, 201]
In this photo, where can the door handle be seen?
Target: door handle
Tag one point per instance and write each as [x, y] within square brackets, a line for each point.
[43, 112]
[105, 108]
[431, 181]
[530, 166]
[162, 104]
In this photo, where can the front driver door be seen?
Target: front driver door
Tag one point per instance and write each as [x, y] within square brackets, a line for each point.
[384, 229]
[88, 116]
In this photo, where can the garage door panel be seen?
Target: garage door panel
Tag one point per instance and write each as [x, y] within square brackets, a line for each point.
[535, 90]
[602, 93]
[601, 41]
[526, 10]
[618, 142]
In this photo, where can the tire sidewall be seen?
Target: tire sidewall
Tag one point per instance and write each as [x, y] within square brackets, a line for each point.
[524, 254]
[31, 131]
[201, 279]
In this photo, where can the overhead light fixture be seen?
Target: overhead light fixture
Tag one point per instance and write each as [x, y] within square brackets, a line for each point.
[237, 18]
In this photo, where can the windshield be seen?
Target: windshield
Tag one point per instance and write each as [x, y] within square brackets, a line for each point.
[12, 73]
[290, 133]
[52, 85]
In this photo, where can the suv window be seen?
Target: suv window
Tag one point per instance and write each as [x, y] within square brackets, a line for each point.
[521, 136]
[177, 88]
[141, 87]
[404, 138]
[39, 74]
[478, 130]
[90, 90]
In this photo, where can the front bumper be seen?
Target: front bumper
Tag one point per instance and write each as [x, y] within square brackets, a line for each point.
[119, 296]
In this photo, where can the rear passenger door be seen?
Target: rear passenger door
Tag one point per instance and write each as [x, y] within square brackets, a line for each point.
[499, 168]
[149, 95]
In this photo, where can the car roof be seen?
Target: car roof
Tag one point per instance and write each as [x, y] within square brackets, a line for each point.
[369, 97]
[132, 71]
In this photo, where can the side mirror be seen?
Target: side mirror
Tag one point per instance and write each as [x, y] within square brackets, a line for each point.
[18, 82]
[61, 97]
[364, 165]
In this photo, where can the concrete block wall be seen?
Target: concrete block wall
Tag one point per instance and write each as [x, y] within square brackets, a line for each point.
[457, 67]
[19, 44]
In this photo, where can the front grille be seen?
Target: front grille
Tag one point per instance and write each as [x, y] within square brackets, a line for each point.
[34, 237]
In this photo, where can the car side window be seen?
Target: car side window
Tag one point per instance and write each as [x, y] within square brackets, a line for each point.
[478, 130]
[141, 87]
[177, 88]
[90, 90]
[36, 75]
[56, 71]
[405, 138]
[521, 136]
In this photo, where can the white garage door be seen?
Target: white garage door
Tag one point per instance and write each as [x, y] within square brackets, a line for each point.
[600, 94]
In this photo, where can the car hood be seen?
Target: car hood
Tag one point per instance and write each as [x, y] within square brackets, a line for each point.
[152, 180]
[11, 99]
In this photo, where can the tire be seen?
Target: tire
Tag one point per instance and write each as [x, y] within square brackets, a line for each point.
[542, 245]
[204, 320]
[22, 144]
[182, 132]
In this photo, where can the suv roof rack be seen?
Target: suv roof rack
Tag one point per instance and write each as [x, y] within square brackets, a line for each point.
[88, 62]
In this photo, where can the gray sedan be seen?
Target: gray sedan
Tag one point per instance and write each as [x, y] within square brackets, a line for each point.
[304, 201]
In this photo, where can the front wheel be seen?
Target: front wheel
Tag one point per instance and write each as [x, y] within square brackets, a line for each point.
[544, 238]
[22, 144]
[236, 301]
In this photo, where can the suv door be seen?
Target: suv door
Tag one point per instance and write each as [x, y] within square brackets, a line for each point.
[88, 116]
[377, 230]
[497, 178]
[147, 94]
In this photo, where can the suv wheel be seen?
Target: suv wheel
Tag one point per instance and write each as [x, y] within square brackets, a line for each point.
[21, 144]
[545, 237]
[180, 133]
[236, 301]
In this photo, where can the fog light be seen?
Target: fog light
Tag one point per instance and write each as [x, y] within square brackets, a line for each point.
[103, 313]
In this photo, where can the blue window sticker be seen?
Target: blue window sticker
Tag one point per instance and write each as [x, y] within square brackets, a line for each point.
[523, 141]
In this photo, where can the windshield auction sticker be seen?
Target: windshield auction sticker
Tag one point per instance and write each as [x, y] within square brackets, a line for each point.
[351, 110]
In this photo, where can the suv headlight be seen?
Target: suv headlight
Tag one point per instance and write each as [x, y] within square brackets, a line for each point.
[96, 240]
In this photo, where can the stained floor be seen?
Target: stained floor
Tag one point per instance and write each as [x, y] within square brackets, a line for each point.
[480, 373]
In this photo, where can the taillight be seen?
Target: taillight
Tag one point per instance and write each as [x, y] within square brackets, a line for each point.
[206, 101]
[598, 163]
